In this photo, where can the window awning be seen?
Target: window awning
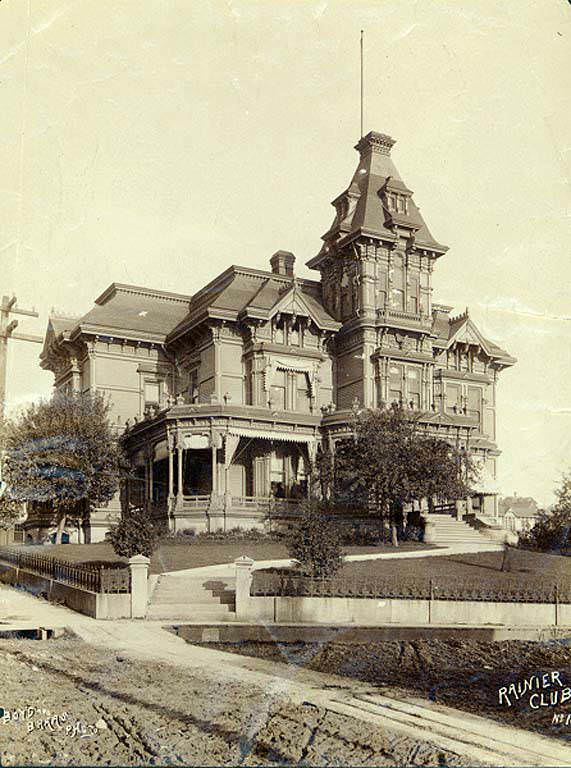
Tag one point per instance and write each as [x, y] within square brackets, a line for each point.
[272, 434]
[298, 366]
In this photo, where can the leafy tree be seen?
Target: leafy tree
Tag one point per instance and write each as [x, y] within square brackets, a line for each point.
[62, 456]
[315, 540]
[323, 471]
[10, 509]
[134, 534]
[389, 463]
[552, 533]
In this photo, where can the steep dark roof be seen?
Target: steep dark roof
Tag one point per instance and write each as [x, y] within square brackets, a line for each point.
[57, 328]
[132, 309]
[446, 328]
[61, 325]
[361, 209]
[440, 324]
[464, 321]
[240, 292]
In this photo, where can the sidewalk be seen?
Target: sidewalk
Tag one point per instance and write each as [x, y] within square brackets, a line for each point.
[228, 570]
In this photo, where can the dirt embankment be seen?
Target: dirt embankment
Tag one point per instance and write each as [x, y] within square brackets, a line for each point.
[464, 674]
[65, 703]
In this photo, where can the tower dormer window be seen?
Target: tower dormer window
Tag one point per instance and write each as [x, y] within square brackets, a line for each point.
[397, 203]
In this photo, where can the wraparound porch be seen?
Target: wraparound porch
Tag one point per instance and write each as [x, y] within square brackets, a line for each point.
[217, 473]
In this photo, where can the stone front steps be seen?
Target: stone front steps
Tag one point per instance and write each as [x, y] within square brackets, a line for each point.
[194, 598]
[447, 531]
[209, 594]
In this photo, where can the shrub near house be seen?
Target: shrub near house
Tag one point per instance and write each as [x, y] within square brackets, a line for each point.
[315, 541]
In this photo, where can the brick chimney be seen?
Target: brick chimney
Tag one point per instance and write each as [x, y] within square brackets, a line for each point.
[282, 263]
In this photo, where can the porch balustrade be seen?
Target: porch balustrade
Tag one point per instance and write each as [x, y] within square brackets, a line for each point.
[196, 501]
[271, 506]
[253, 503]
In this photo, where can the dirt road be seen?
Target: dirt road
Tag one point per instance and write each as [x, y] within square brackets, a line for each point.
[103, 708]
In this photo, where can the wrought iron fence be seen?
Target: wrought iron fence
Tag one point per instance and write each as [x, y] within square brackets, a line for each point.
[268, 584]
[92, 578]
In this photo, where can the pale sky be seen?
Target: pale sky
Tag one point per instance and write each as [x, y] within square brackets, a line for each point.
[158, 142]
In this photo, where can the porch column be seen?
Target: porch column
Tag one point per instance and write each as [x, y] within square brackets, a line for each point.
[147, 482]
[150, 461]
[170, 447]
[311, 458]
[179, 465]
[214, 469]
[230, 445]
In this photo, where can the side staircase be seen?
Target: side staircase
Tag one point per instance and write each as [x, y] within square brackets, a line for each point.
[193, 598]
[447, 530]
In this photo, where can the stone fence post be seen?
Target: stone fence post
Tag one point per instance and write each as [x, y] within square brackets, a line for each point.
[428, 530]
[243, 581]
[139, 567]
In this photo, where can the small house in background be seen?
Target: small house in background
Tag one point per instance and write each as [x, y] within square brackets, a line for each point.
[519, 513]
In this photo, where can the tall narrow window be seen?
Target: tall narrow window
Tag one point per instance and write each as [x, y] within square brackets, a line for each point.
[302, 393]
[277, 475]
[413, 386]
[381, 289]
[395, 383]
[279, 391]
[193, 385]
[475, 403]
[453, 398]
[397, 281]
[152, 392]
[413, 292]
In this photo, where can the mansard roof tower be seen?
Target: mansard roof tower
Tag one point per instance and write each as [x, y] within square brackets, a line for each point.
[376, 267]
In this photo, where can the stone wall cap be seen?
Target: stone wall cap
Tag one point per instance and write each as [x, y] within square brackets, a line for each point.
[139, 560]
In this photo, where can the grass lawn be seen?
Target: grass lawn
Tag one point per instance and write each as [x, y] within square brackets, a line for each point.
[526, 569]
[177, 557]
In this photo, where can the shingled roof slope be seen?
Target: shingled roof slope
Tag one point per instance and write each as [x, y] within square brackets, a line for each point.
[137, 310]
[364, 210]
[238, 289]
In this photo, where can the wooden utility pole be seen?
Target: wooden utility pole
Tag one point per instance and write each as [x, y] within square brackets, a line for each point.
[7, 328]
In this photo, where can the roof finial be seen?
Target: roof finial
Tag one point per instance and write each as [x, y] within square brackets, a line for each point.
[467, 313]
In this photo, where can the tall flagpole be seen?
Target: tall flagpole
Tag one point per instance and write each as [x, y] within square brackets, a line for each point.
[362, 88]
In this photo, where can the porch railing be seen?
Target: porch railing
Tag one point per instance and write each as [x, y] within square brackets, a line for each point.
[82, 575]
[196, 501]
[271, 506]
[251, 502]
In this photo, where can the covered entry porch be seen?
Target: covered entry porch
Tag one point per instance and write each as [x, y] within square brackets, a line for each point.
[223, 476]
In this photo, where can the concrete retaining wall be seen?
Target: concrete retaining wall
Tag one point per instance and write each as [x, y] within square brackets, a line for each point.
[378, 611]
[355, 634]
[98, 606]
[374, 612]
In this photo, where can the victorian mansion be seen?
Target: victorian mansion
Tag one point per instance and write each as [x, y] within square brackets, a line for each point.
[223, 397]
